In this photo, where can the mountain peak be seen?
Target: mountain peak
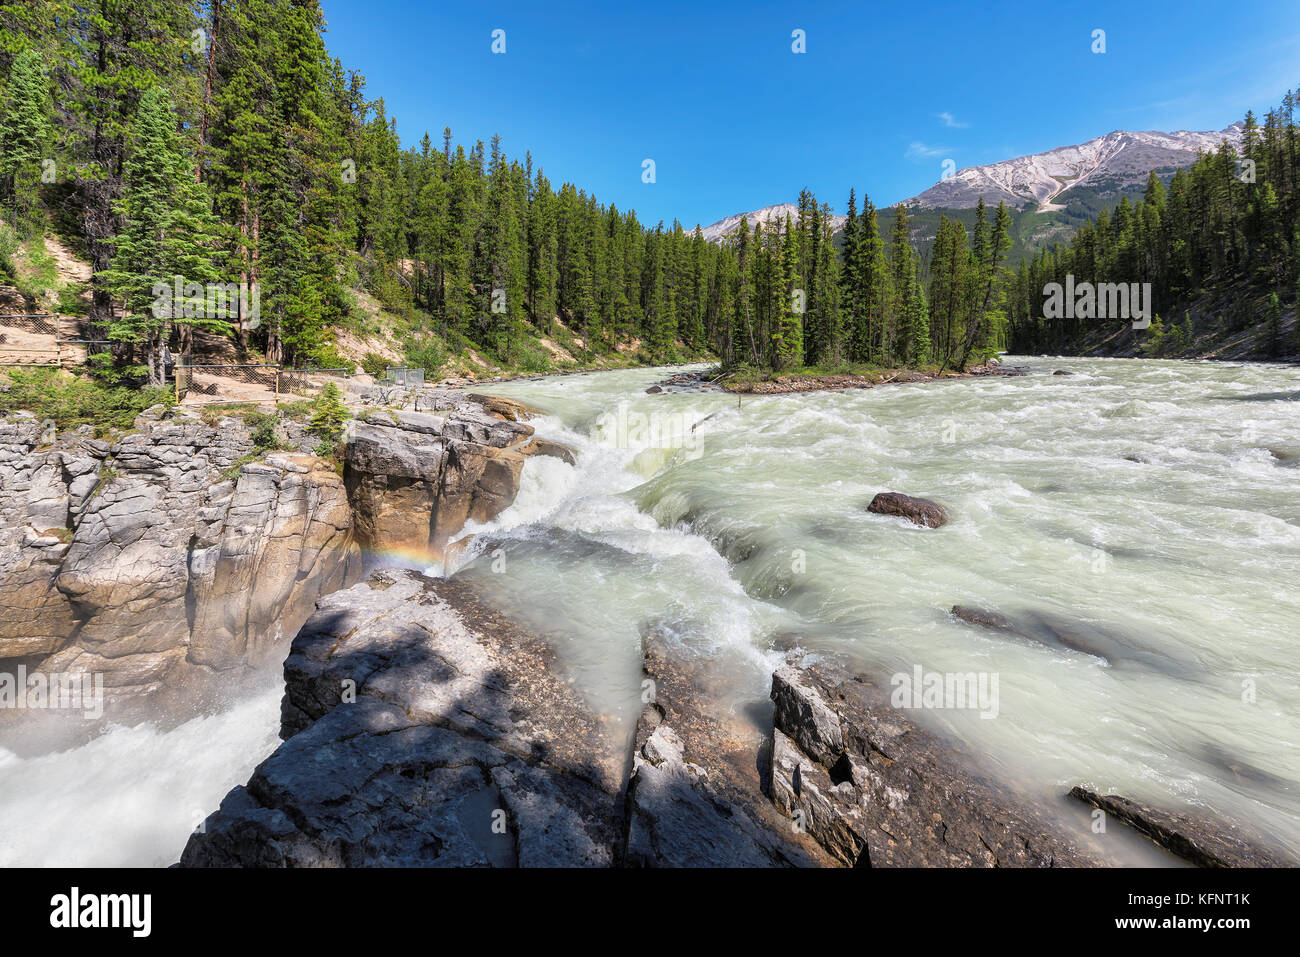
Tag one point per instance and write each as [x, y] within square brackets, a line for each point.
[1107, 166]
[768, 216]
[1120, 159]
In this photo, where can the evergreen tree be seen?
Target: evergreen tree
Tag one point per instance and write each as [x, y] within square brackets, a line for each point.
[787, 336]
[168, 234]
[1295, 320]
[328, 415]
[24, 140]
[117, 52]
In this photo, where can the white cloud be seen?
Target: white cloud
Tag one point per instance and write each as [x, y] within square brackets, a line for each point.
[920, 151]
[950, 121]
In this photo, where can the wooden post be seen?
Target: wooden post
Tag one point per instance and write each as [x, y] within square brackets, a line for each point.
[277, 387]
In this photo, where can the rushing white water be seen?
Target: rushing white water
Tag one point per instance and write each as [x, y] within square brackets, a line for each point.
[1148, 508]
[130, 797]
[1151, 506]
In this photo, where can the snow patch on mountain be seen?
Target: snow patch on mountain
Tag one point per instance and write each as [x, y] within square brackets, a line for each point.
[769, 216]
[1111, 162]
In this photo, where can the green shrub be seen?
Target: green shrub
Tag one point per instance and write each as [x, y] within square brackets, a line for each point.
[8, 246]
[531, 358]
[427, 352]
[328, 415]
[373, 364]
[71, 302]
[263, 434]
[298, 411]
[72, 401]
[329, 357]
[1153, 341]
[43, 271]
[237, 466]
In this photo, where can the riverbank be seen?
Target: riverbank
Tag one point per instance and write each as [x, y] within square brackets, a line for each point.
[760, 381]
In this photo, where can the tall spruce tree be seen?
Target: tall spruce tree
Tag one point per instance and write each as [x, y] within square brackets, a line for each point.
[24, 140]
[166, 242]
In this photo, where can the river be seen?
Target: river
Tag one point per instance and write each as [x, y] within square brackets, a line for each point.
[1148, 509]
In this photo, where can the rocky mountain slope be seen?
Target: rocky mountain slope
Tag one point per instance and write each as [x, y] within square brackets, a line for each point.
[1107, 165]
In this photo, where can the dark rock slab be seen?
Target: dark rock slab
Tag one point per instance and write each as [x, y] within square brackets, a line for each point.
[918, 511]
[1110, 647]
[985, 619]
[1204, 842]
[421, 729]
[876, 790]
[695, 797]
[555, 450]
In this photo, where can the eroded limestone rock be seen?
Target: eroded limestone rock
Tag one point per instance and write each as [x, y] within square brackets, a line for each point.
[423, 729]
[137, 560]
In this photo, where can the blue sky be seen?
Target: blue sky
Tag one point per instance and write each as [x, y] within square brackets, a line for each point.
[735, 120]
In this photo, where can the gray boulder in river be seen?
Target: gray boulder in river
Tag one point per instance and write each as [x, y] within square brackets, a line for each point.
[918, 511]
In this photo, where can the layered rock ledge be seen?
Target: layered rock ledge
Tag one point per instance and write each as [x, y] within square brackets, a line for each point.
[416, 475]
[420, 729]
[169, 565]
[136, 559]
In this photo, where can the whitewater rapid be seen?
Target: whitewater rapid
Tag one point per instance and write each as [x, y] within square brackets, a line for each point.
[1154, 504]
[1151, 507]
[131, 796]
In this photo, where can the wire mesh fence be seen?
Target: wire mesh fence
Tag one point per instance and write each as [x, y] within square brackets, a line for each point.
[37, 323]
[44, 339]
[226, 382]
[410, 378]
[198, 384]
[309, 381]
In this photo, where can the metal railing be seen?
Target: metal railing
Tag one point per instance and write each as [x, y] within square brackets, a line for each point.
[232, 382]
[406, 376]
[63, 330]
